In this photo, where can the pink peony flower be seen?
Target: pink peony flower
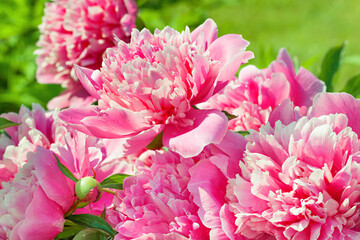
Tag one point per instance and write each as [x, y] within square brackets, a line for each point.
[27, 208]
[88, 156]
[155, 203]
[254, 95]
[37, 128]
[39, 196]
[77, 32]
[294, 181]
[150, 85]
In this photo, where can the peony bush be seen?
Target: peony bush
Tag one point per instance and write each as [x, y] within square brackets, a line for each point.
[166, 135]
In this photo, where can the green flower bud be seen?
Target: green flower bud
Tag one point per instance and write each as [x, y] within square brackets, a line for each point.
[87, 189]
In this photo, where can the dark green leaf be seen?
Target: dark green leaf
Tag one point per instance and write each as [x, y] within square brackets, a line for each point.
[156, 143]
[330, 65]
[103, 213]
[229, 115]
[4, 123]
[69, 231]
[114, 181]
[353, 86]
[244, 133]
[140, 23]
[91, 221]
[65, 170]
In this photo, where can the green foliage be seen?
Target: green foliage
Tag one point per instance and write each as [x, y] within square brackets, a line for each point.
[157, 142]
[4, 123]
[330, 65]
[114, 181]
[244, 133]
[91, 221]
[65, 170]
[19, 20]
[90, 234]
[353, 86]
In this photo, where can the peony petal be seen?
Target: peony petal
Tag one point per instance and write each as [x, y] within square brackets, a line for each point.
[110, 123]
[307, 86]
[230, 51]
[207, 186]
[56, 186]
[74, 96]
[134, 144]
[209, 33]
[285, 113]
[209, 127]
[44, 219]
[327, 103]
[90, 80]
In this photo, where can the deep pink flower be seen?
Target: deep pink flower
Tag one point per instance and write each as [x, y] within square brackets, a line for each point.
[155, 203]
[254, 95]
[77, 32]
[298, 180]
[150, 85]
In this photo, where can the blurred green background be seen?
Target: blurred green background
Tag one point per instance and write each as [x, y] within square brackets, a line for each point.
[308, 29]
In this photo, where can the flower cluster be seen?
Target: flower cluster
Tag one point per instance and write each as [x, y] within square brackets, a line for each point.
[162, 154]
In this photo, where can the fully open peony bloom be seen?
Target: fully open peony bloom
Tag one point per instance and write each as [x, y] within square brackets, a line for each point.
[150, 85]
[254, 95]
[155, 203]
[295, 181]
[78, 32]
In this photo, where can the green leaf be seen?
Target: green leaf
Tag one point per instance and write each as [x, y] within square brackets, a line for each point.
[103, 213]
[140, 24]
[229, 115]
[4, 123]
[69, 231]
[90, 234]
[353, 86]
[91, 221]
[114, 181]
[330, 65]
[244, 133]
[156, 143]
[65, 170]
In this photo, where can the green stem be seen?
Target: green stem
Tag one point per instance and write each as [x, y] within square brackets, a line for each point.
[109, 191]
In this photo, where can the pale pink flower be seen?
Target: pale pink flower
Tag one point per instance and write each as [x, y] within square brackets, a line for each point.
[77, 32]
[150, 85]
[254, 95]
[155, 203]
[295, 181]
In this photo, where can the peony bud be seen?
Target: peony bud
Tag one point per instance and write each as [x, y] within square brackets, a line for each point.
[87, 189]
